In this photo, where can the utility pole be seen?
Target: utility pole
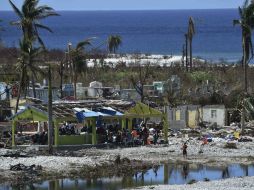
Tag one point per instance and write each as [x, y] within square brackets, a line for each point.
[61, 79]
[70, 64]
[50, 112]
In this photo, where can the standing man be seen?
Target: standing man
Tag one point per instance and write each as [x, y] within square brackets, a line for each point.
[184, 148]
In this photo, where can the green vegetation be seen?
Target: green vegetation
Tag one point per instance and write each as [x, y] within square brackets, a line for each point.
[29, 21]
[200, 77]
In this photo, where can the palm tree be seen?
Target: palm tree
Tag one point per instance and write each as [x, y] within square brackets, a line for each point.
[27, 56]
[246, 23]
[78, 59]
[29, 21]
[114, 41]
[191, 33]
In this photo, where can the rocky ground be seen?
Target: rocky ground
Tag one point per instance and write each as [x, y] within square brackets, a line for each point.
[246, 183]
[85, 161]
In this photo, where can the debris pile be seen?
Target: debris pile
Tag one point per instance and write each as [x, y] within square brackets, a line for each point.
[22, 167]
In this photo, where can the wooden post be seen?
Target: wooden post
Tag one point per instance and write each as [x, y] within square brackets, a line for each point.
[130, 124]
[165, 126]
[50, 114]
[123, 123]
[94, 138]
[88, 123]
[56, 125]
[14, 127]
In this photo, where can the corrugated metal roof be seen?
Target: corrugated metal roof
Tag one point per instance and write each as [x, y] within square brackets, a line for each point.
[66, 109]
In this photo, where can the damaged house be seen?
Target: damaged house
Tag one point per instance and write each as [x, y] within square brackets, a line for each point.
[191, 115]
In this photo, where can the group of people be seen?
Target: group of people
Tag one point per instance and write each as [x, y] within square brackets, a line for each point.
[67, 129]
[40, 138]
[137, 136]
[114, 133]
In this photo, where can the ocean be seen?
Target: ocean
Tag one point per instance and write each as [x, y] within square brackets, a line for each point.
[151, 32]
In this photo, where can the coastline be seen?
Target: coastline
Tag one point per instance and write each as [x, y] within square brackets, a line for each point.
[140, 59]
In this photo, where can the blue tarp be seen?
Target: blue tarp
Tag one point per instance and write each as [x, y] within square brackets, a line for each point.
[102, 112]
[84, 114]
[110, 111]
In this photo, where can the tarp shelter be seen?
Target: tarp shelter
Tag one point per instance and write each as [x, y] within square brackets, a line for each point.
[143, 111]
[84, 113]
[61, 113]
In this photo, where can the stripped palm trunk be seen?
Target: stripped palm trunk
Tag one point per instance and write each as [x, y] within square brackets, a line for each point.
[245, 62]
[75, 85]
[245, 67]
[191, 54]
[20, 86]
[186, 51]
[246, 22]
[191, 33]
[33, 85]
[61, 80]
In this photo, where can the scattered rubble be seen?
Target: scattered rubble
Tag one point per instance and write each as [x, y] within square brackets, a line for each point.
[245, 183]
[22, 167]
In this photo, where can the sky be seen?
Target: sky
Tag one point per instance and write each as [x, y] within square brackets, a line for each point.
[131, 4]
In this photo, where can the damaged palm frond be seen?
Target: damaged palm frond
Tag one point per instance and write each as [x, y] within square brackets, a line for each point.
[29, 17]
[78, 57]
[249, 108]
[246, 105]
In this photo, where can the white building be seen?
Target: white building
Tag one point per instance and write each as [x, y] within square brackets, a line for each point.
[94, 89]
[214, 114]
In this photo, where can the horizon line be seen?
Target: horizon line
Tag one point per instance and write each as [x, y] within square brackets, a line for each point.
[183, 9]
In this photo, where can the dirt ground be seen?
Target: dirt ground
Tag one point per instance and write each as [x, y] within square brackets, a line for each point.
[94, 162]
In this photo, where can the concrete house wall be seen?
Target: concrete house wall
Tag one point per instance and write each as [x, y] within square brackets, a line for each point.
[190, 115]
[174, 120]
[42, 94]
[214, 114]
[130, 95]
[193, 118]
